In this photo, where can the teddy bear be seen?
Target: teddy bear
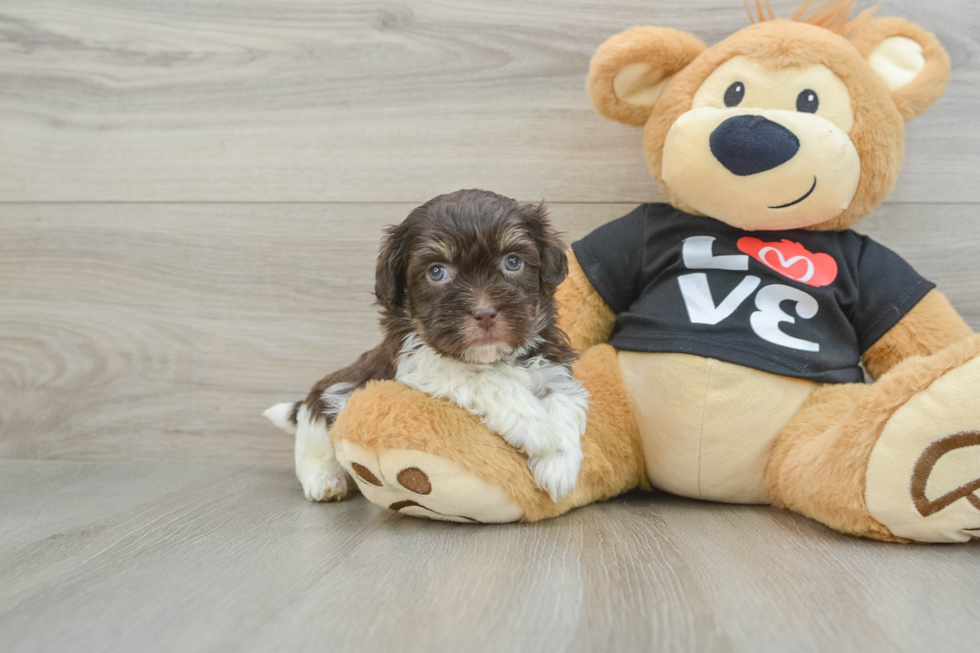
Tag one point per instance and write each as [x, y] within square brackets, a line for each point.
[726, 338]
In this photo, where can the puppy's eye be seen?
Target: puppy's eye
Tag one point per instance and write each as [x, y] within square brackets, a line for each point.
[734, 94]
[438, 273]
[807, 101]
[513, 263]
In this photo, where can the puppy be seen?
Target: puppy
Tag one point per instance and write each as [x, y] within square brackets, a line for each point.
[466, 289]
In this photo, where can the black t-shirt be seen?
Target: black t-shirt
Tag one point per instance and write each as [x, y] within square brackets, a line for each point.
[798, 303]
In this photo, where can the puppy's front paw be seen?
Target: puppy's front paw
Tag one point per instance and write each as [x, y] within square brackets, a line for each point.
[322, 479]
[556, 473]
[530, 432]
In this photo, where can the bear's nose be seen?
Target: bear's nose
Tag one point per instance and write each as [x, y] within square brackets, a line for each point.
[747, 145]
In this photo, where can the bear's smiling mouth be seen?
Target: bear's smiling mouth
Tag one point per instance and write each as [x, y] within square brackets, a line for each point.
[797, 201]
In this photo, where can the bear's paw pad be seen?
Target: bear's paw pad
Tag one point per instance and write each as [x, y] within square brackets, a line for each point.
[421, 484]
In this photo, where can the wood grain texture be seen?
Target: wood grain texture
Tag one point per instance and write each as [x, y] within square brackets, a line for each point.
[369, 101]
[131, 331]
[190, 557]
[144, 502]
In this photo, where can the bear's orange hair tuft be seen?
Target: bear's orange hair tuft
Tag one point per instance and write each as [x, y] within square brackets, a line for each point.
[834, 15]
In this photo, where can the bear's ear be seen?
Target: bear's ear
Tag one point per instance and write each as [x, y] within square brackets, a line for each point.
[629, 71]
[910, 60]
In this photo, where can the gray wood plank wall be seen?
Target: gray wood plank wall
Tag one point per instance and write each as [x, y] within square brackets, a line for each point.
[367, 101]
[191, 196]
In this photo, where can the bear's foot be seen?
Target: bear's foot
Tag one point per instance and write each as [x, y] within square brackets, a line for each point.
[427, 457]
[923, 476]
[424, 485]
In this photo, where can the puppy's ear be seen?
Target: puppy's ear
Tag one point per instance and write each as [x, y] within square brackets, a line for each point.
[391, 275]
[554, 262]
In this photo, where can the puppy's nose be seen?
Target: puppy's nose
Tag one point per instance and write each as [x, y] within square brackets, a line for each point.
[485, 317]
[748, 145]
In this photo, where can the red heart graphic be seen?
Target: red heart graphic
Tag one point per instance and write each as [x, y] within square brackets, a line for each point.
[792, 260]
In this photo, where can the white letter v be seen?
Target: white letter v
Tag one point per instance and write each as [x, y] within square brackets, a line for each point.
[701, 307]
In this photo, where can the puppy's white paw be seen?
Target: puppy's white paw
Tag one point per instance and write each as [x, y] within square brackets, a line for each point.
[556, 473]
[532, 434]
[322, 479]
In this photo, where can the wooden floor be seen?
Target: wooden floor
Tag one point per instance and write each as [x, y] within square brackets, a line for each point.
[191, 196]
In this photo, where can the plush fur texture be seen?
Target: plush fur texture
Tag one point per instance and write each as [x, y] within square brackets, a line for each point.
[820, 457]
[583, 315]
[831, 15]
[469, 279]
[877, 134]
[878, 130]
[819, 460]
[931, 326]
[387, 416]
[534, 405]
[929, 84]
[666, 50]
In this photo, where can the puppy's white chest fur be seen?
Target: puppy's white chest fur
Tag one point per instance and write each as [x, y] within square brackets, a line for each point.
[534, 405]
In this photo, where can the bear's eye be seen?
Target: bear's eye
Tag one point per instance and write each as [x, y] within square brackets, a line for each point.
[807, 101]
[734, 94]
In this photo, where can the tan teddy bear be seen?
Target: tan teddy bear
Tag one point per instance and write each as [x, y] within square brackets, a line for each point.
[738, 315]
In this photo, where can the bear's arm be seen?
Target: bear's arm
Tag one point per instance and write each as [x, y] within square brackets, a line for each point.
[932, 325]
[582, 313]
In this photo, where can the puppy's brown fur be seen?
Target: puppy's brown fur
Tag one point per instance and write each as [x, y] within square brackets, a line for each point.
[469, 232]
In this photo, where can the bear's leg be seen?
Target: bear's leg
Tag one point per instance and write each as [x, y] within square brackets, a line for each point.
[896, 460]
[429, 458]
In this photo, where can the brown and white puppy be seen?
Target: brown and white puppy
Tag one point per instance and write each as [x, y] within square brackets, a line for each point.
[466, 288]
